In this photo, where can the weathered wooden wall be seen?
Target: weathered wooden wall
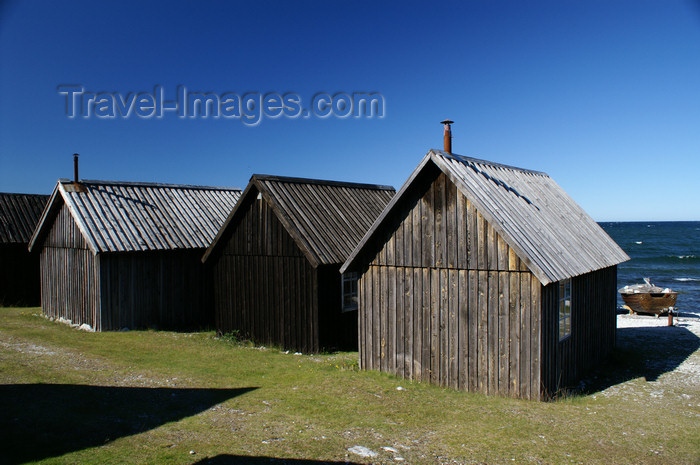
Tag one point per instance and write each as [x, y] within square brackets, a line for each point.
[445, 299]
[593, 329]
[264, 286]
[19, 276]
[69, 280]
[157, 289]
[109, 291]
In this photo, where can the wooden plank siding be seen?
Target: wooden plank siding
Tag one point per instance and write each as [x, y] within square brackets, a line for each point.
[484, 246]
[264, 286]
[593, 329]
[69, 281]
[276, 261]
[156, 289]
[111, 291]
[460, 311]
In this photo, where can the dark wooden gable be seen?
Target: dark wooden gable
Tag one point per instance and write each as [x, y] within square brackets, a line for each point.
[258, 231]
[264, 285]
[548, 230]
[436, 226]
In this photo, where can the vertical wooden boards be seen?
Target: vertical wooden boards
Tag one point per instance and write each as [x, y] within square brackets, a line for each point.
[513, 260]
[271, 293]
[390, 311]
[514, 334]
[503, 254]
[492, 333]
[472, 237]
[525, 331]
[399, 253]
[463, 329]
[593, 302]
[376, 318]
[460, 308]
[428, 228]
[472, 330]
[482, 371]
[461, 238]
[503, 333]
[443, 334]
[364, 334]
[481, 238]
[453, 329]
[163, 289]
[535, 345]
[418, 323]
[408, 323]
[68, 274]
[390, 247]
[399, 315]
[384, 318]
[451, 230]
[434, 317]
[491, 248]
[438, 209]
[407, 239]
[416, 240]
[426, 302]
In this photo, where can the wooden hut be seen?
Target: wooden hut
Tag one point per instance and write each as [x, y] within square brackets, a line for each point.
[275, 261]
[19, 270]
[486, 278]
[125, 254]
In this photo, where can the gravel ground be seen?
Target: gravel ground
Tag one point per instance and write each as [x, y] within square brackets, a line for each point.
[671, 362]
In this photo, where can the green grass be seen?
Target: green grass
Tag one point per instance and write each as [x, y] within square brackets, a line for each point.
[152, 397]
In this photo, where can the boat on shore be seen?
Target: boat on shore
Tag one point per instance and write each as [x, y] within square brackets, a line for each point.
[647, 298]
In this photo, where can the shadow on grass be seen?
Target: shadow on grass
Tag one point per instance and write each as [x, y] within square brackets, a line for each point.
[226, 459]
[644, 352]
[40, 421]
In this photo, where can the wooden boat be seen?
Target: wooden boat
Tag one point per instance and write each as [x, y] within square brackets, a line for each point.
[647, 298]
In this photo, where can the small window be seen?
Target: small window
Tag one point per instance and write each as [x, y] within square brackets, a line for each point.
[564, 309]
[350, 291]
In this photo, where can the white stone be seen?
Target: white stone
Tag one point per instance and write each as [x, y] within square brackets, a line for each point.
[362, 451]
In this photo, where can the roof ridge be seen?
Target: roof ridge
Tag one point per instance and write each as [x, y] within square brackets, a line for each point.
[325, 182]
[149, 184]
[464, 158]
[24, 193]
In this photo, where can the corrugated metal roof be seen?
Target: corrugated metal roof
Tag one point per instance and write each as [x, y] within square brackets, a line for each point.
[548, 230]
[19, 215]
[130, 216]
[326, 218]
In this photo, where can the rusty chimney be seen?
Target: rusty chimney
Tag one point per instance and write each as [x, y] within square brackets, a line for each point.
[448, 135]
[75, 168]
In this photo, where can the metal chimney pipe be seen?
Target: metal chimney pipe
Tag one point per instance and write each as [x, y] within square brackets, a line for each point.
[448, 135]
[75, 167]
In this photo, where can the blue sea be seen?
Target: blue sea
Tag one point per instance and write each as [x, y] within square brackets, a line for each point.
[666, 252]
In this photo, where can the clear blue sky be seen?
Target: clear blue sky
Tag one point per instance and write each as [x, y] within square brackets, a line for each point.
[603, 95]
